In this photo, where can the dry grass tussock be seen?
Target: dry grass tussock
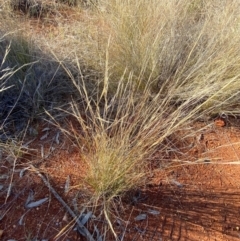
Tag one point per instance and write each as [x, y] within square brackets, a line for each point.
[193, 43]
[158, 66]
[29, 82]
[120, 132]
[161, 70]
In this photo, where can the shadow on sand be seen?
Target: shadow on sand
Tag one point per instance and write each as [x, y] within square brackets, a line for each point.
[187, 214]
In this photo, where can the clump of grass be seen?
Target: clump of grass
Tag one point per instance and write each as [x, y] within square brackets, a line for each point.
[192, 42]
[117, 133]
[10, 150]
[31, 82]
[160, 72]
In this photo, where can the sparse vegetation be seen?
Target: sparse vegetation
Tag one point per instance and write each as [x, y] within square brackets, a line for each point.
[130, 77]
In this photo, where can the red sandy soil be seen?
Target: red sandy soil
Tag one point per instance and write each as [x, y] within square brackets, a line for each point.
[180, 202]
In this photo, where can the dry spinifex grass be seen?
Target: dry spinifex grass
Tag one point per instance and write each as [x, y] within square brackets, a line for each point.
[160, 71]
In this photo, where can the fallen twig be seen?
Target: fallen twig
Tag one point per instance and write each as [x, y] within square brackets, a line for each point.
[81, 228]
